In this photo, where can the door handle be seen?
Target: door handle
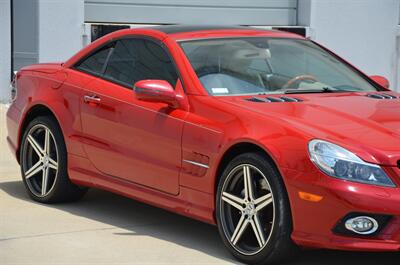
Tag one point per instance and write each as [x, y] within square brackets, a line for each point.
[93, 99]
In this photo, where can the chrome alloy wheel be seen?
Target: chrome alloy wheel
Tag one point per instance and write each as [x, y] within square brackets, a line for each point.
[40, 160]
[247, 209]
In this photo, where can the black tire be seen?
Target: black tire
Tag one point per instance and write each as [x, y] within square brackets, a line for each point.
[61, 188]
[277, 246]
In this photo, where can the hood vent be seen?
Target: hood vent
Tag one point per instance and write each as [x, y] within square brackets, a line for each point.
[273, 99]
[381, 96]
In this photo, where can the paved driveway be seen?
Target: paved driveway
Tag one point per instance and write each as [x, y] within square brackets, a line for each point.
[105, 228]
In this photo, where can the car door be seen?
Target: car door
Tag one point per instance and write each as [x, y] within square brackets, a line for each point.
[126, 138]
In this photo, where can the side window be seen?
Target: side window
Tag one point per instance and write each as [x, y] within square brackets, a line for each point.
[137, 59]
[122, 62]
[94, 64]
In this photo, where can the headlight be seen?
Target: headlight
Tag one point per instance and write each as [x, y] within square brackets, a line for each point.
[338, 162]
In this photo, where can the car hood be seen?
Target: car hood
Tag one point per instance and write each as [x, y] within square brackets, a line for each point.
[368, 126]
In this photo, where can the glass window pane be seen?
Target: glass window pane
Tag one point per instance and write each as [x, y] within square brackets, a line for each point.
[269, 65]
[94, 64]
[122, 63]
[136, 59]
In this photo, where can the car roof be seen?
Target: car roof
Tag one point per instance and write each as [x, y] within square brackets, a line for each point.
[187, 32]
[172, 29]
[183, 33]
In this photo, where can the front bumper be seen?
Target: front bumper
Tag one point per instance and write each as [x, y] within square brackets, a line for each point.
[314, 222]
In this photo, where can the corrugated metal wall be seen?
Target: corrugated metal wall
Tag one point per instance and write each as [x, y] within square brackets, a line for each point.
[239, 12]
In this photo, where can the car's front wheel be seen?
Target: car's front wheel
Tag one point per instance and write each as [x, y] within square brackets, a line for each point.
[253, 212]
[43, 160]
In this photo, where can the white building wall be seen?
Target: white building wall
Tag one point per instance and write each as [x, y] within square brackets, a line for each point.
[364, 32]
[60, 29]
[5, 50]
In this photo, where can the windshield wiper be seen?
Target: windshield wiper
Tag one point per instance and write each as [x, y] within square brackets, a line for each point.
[305, 91]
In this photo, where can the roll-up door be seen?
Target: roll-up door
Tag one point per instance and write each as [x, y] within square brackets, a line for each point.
[237, 12]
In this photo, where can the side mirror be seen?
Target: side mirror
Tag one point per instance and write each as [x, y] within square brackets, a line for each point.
[380, 80]
[155, 91]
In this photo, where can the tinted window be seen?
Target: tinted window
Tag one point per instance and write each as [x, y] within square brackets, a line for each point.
[94, 63]
[136, 59]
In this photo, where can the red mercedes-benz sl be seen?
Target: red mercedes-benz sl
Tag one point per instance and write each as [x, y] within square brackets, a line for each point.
[268, 135]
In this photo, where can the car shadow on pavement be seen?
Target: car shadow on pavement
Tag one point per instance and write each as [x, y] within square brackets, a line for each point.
[136, 218]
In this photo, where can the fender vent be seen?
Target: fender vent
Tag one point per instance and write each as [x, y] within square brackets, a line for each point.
[381, 96]
[273, 99]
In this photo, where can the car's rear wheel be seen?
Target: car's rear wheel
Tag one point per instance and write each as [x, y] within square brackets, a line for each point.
[43, 160]
[253, 212]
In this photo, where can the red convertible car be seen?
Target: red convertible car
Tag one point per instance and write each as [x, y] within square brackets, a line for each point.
[268, 135]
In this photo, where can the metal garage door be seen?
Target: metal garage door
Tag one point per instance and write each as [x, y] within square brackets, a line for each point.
[239, 12]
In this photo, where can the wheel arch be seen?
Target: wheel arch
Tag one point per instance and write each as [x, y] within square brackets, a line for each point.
[283, 238]
[247, 147]
[33, 112]
[237, 149]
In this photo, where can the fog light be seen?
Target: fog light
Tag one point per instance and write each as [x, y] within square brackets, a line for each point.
[363, 225]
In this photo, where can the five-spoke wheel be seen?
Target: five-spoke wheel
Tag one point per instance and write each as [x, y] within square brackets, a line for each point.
[253, 214]
[43, 158]
[40, 162]
[247, 209]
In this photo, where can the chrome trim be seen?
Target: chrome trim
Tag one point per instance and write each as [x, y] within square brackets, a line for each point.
[195, 163]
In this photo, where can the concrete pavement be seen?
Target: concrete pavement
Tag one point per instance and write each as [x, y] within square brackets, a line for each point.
[104, 228]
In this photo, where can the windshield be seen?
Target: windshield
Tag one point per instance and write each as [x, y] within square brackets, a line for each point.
[267, 65]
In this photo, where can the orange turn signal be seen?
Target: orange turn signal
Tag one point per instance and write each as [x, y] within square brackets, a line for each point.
[309, 197]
